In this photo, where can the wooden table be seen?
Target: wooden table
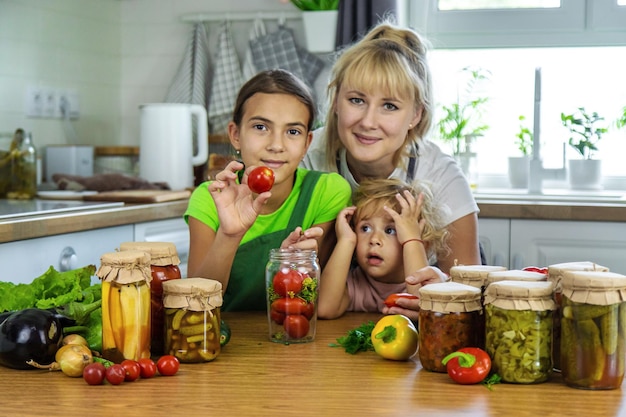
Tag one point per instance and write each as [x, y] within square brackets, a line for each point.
[254, 377]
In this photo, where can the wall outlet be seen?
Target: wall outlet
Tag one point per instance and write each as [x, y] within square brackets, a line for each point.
[49, 102]
[34, 102]
[68, 102]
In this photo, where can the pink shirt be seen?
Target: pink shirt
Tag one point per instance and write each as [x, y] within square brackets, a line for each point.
[367, 294]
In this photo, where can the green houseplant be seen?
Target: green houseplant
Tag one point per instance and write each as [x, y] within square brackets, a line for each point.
[524, 138]
[316, 5]
[519, 165]
[319, 18]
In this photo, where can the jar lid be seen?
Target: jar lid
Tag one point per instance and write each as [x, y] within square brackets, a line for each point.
[521, 295]
[474, 275]
[161, 253]
[125, 267]
[196, 294]
[117, 150]
[594, 287]
[515, 275]
[555, 272]
[450, 297]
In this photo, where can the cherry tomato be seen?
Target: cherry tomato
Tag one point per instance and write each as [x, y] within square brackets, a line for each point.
[148, 367]
[296, 326]
[132, 369]
[94, 373]
[277, 316]
[288, 305]
[309, 310]
[115, 374]
[287, 282]
[391, 301]
[168, 365]
[536, 269]
[261, 179]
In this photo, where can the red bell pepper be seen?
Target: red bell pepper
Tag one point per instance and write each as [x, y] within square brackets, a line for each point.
[468, 365]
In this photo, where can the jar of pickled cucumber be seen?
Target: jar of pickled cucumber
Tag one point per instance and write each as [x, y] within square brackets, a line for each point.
[474, 275]
[518, 330]
[555, 273]
[164, 263]
[125, 280]
[450, 318]
[593, 329]
[192, 319]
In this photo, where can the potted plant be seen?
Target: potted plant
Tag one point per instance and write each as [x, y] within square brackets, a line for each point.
[519, 165]
[585, 133]
[320, 23]
[462, 122]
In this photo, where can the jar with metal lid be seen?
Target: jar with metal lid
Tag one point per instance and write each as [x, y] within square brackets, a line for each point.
[192, 319]
[450, 318]
[116, 160]
[164, 263]
[555, 273]
[518, 330]
[125, 280]
[474, 275]
[292, 283]
[593, 329]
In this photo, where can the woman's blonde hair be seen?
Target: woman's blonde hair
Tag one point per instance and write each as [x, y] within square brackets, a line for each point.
[373, 194]
[390, 58]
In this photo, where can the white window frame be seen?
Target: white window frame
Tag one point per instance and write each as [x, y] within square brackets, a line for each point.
[576, 23]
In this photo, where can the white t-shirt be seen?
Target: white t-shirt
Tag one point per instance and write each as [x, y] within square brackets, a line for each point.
[448, 184]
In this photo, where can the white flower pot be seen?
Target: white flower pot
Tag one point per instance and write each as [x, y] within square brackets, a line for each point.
[320, 30]
[585, 174]
[518, 171]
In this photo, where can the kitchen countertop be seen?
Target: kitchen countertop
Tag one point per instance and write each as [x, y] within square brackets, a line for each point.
[255, 377]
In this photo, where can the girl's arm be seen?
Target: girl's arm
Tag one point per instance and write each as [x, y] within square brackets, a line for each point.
[333, 298]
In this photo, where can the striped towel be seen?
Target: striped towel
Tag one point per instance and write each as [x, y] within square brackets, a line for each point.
[227, 80]
[277, 50]
[190, 84]
[257, 30]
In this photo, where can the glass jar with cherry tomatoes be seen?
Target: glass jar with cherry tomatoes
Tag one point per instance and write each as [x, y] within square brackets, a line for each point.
[292, 282]
[125, 280]
[164, 263]
[450, 318]
[192, 319]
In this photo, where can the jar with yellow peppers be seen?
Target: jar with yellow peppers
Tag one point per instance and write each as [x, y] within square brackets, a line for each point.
[450, 318]
[192, 319]
[125, 280]
[164, 263]
[555, 273]
[518, 330]
[593, 329]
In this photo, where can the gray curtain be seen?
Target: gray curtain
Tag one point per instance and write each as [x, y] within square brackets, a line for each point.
[356, 17]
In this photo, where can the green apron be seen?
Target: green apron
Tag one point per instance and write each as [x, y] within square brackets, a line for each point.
[246, 286]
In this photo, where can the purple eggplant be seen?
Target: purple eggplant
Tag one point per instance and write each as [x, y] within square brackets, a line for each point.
[30, 334]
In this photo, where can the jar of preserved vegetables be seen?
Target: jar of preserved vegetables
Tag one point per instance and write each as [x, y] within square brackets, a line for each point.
[474, 275]
[555, 273]
[518, 330]
[23, 167]
[192, 319]
[164, 263]
[292, 283]
[514, 275]
[450, 318]
[593, 329]
[125, 280]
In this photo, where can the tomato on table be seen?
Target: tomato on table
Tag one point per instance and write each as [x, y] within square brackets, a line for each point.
[132, 369]
[168, 365]
[94, 373]
[261, 179]
[115, 374]
[296, 326]
[148, 367]
[287, 282]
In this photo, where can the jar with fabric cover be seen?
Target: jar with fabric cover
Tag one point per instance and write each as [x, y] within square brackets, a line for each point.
[515, 275]
[518, 330]
[125, 280]
[474, 275]
[164, 263]
[192, 319]
[593, 329]
[450, 318]
[555, 273]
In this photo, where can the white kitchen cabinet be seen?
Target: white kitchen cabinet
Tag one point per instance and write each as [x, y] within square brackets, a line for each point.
[171, 230]
[495, 237]
[24, 260]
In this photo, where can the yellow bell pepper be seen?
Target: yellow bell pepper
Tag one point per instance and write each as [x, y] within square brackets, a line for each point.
[395, 337]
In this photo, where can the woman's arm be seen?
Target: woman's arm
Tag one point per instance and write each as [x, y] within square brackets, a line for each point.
[463, 244]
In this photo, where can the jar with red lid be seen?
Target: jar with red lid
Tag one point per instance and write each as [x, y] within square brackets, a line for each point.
[164, 263]
[450, 318]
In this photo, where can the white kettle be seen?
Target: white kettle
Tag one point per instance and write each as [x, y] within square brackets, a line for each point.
[166, 151]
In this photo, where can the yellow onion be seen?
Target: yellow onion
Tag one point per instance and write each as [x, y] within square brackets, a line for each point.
[74, 339]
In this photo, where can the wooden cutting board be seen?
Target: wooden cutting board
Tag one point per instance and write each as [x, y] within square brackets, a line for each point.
[139, 196]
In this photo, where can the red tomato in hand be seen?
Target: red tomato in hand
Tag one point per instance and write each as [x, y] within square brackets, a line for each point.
[94, 373]
[168, 365]
[287, 282]
[261, 179]
[115, 374]
[132, 369]
[296, 326]
[148, 367]
[391, 301]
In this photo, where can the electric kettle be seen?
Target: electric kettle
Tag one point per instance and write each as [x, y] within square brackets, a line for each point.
[166, 152]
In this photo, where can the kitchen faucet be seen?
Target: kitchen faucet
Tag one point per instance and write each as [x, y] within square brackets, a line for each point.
[537, 173]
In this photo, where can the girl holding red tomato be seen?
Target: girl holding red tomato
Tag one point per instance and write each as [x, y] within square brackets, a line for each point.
[390, 232]
[233, 226]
